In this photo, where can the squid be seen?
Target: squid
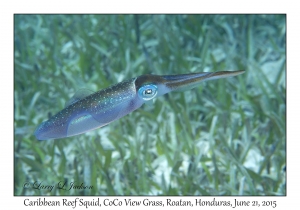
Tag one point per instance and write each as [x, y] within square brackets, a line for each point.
[88, 111]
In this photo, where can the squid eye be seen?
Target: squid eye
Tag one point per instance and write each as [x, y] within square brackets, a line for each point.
[147, 92]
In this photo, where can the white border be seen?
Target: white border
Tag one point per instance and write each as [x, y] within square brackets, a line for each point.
[8, 8]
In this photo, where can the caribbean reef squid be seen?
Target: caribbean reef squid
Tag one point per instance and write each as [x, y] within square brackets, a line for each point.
[87, 110]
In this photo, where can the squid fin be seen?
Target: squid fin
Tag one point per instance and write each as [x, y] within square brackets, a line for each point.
[80, 94]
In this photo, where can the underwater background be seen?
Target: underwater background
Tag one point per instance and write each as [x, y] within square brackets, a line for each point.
[225, 137]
